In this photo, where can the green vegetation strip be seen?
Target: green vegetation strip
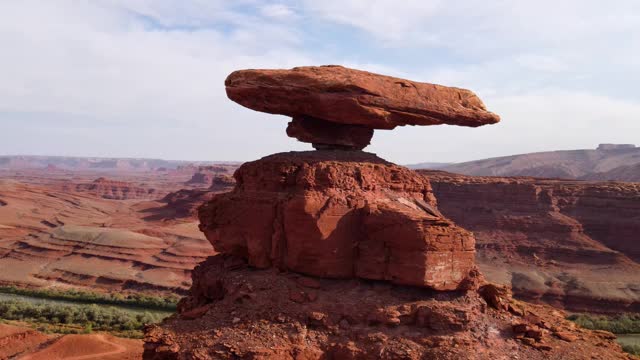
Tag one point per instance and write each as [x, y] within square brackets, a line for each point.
[167, 303]
[79, 318]
[619, 324]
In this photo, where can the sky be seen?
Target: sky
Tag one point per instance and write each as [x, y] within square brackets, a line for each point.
[145, 78]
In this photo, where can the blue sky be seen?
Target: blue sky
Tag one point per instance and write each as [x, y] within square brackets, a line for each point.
[144, 78]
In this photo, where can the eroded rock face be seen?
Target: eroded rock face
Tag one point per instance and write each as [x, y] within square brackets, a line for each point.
[339, 95]
[340, 215]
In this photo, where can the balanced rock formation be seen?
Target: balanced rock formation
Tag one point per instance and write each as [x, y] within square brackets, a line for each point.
[337, 106]
[340, 215]
[338, 254]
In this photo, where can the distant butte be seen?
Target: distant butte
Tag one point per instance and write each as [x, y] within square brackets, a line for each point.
[337, 107]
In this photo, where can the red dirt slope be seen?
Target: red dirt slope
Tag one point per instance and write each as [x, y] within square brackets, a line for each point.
[51, 237]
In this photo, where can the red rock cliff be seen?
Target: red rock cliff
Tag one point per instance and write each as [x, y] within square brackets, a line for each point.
[569, 243]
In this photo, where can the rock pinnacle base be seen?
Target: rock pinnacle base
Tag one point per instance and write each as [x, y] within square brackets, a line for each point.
[339, 214]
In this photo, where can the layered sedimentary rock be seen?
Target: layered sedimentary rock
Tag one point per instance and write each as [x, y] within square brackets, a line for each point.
[335, 98]
[184, 203]
[118, 190]
[340, 215]
[569, 243]
[200, 178]
[222, 183]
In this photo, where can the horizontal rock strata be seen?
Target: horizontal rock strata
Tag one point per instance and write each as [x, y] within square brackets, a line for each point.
[339, 215]
[569, 243]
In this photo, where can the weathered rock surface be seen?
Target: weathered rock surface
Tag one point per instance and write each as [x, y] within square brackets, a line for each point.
[340, 215]
[569, 243]
[348, 96]
[344, 97]
[234, 311]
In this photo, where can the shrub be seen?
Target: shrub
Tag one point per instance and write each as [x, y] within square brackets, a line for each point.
[631, 349]
[75, 318]
[619, 324]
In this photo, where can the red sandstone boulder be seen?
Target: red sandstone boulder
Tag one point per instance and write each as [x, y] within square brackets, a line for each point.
[339, 215]
[347, 96]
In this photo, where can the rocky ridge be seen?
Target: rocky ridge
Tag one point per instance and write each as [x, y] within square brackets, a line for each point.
[116, 190]
[619, 162]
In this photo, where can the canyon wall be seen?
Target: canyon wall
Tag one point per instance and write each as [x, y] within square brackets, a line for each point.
[574, 244]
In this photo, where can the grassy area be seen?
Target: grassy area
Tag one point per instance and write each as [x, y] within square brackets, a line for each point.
[619, 324]
[80, 318]
[167, 303]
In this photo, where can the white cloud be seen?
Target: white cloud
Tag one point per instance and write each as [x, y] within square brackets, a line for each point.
[277, 11]
[145, 77]
[73, 59]
[107, 66]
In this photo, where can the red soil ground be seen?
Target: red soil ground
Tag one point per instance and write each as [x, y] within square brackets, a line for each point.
[24, 343]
